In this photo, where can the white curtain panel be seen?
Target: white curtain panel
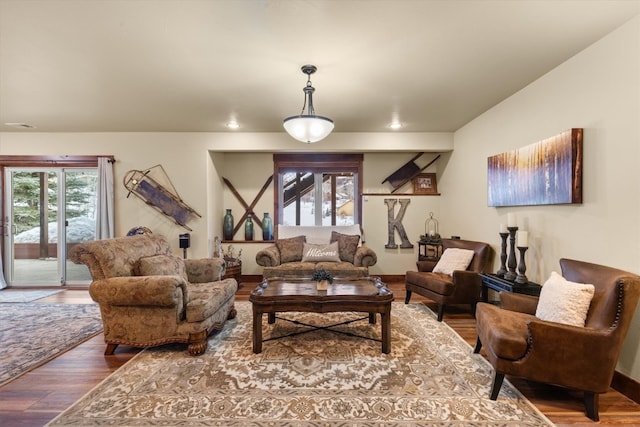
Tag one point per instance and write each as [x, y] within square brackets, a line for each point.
[105, 228]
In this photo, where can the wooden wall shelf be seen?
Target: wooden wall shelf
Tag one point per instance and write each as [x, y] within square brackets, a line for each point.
[248, 241]
[398, 194]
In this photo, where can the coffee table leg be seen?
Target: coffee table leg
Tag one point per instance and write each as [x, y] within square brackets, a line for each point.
[257, 331]
[372, 318]
[386, 332]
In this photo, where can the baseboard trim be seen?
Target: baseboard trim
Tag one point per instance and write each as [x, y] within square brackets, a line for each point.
[626, 385]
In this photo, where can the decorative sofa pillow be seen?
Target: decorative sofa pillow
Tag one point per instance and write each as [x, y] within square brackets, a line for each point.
[320, 253]
[291, 249]
[563, 301]
[161, 265]
[453, 259]
[347, 245]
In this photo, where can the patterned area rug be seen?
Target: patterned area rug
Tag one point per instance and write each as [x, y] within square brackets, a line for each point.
[33, 334]
[321, 378]
[25, 295]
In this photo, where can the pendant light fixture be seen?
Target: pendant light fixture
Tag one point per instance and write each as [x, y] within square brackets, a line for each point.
[308, 128]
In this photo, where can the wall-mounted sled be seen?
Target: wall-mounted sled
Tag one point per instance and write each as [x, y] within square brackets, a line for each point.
[146, 186]
[407, 172]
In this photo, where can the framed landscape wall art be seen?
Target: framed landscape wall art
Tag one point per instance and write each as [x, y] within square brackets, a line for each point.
[548, 172]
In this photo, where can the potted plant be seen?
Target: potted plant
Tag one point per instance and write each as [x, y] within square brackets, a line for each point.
[322, 278]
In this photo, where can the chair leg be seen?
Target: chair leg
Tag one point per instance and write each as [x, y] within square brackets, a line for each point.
[110, 349]
[440, 312]
[498, 377]
[478, 346]
[407, 297]
[591, 405]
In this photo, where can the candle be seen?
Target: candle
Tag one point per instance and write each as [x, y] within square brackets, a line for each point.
[511, 220]
[503, 228]
[523, 239]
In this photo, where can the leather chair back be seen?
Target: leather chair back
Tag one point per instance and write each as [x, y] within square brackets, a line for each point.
[611, 286]
[482, 252]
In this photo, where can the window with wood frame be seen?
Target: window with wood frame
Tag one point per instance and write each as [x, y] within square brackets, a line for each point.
[318, 189]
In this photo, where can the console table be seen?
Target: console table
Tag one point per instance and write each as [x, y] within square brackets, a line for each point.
[492, 281]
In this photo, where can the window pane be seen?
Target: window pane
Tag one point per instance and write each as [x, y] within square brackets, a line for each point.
[341, 186]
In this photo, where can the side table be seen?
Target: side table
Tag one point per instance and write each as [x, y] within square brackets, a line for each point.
[497, 283]
[233, 270]
[429, 251]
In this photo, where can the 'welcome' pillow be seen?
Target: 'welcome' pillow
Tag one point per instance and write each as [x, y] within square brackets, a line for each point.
[563, 301]
[453, 259]
[320, 253]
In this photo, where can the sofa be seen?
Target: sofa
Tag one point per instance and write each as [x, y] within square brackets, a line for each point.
[301, 250]
[150, 297]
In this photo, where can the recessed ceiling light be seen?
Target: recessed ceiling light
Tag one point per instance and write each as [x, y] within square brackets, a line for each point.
[20, 125]
[233, 125]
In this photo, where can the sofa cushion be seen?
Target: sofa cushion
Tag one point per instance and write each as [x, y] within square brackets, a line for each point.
[291, 248]
[453, 259]
[317, 253]
[347, 245]
[343, 269]
[563, 301]
[298, 269]
[207, 298]
[161, 265]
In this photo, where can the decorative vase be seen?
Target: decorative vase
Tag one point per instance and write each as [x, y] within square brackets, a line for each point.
[227, 226]
[267, 227]
[248, 229]
[321, 285]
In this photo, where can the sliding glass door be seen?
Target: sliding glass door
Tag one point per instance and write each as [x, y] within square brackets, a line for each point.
[47, 210]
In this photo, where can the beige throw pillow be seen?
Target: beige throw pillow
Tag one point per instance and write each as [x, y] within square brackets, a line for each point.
[347, 245]
[563, 301]
[320, 253]
[161, 265]
[453, 259]
[291, 248]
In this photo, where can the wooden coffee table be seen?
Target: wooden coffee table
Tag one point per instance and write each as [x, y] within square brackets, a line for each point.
[366, 295]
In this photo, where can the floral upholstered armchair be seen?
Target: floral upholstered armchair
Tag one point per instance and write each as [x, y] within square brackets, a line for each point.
[149, 297]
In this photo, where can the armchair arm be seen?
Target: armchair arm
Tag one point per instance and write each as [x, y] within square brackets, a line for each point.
[467, 283]
[268, 257]
[364, 257]
[586, 360]
[426, 266]
[519, 302]
[205, 270]
[158, 291]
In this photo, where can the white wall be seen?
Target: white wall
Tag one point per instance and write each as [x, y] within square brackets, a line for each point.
[598, 90]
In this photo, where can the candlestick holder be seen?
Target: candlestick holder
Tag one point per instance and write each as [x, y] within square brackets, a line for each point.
[522, 267]
[511, 261]
[503, 255]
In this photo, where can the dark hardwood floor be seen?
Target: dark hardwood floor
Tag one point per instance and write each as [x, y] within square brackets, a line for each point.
[38, 396]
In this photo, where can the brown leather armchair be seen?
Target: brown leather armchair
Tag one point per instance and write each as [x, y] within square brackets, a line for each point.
[463, 287]
[581, 358]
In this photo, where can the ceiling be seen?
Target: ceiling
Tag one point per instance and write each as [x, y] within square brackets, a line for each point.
[194, 65]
